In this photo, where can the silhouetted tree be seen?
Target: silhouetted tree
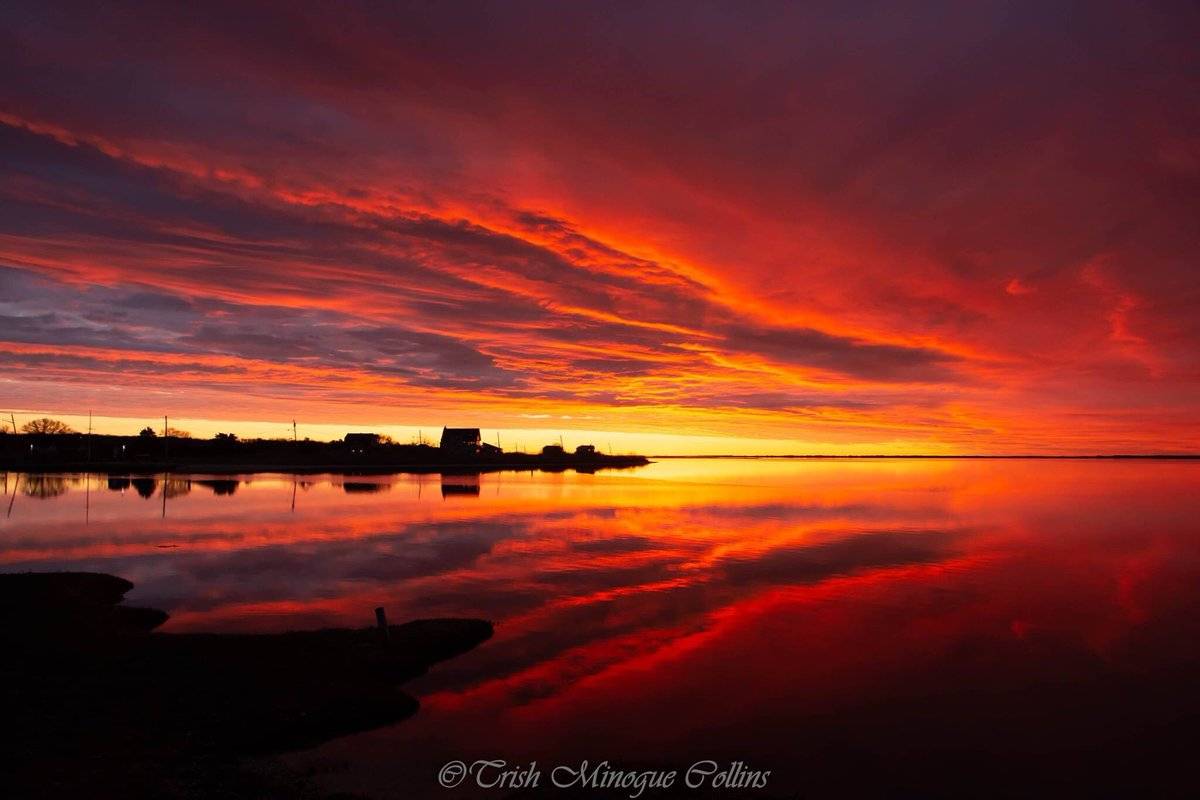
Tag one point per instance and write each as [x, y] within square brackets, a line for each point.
[46, 425]
[147, 432]
[225, 437]
[44, 487]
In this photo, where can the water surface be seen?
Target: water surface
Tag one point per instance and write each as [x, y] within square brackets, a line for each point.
[857, 627]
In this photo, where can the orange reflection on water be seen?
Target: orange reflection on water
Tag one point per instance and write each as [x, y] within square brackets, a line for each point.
[803, 613]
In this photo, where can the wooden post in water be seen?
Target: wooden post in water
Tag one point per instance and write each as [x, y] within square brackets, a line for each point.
[13, 499]
[381, 622]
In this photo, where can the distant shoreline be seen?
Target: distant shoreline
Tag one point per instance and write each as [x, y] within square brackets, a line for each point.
[370, 454]
[357, 454]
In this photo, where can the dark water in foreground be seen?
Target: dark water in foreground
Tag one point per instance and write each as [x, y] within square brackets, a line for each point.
[857, 627]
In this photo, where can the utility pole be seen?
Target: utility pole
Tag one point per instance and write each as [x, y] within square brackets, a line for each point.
[294, 437]
[166, 452]
[89, 439]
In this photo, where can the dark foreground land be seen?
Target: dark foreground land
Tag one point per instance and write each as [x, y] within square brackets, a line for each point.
[77, 452]
[99, 706]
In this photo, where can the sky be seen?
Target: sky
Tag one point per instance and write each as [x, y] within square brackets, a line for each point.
[664, 227]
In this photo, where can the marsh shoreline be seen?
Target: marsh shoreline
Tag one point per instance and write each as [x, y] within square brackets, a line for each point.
[107, 707]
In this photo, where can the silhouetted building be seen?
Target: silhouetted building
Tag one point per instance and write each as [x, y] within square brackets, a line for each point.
[486, 449]
[362, 442]
[554, 451]
[586, 450]
[460, 441]
[461, 485]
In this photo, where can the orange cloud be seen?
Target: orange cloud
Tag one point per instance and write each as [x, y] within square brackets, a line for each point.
[730, 243]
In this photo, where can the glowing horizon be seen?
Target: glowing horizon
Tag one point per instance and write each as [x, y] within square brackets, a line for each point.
[516, 439]
[673, 233]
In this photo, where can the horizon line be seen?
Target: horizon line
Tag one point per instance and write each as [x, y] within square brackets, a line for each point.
[937, 455]
[713, 456]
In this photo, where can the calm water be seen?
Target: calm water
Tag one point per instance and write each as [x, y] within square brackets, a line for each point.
[857, 627]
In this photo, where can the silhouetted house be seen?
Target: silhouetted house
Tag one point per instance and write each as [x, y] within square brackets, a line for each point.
[462, 485]
[362, 442]
[486, 449]
[553, 451]
[586, 451]
[460, 441]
